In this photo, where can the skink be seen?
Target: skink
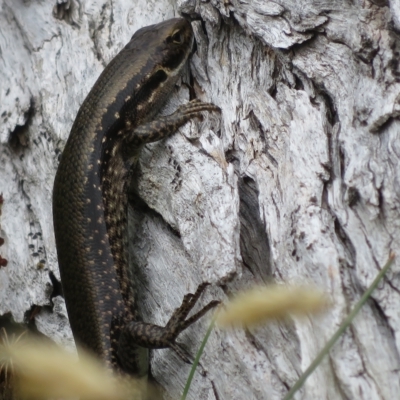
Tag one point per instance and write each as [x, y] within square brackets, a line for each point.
[114, 122]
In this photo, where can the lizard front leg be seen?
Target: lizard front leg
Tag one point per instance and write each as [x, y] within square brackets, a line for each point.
[165, 126]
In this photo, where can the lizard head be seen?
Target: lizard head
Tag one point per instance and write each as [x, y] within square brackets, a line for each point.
[168, 44]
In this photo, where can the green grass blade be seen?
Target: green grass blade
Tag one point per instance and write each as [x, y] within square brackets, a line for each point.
[340, 330]
[198, 355]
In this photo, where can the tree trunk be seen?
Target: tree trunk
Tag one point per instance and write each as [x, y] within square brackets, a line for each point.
[296, 182]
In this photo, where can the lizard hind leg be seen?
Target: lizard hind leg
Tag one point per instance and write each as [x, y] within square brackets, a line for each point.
[145, 335]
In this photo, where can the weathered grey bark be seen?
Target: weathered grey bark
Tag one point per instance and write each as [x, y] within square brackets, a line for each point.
[297, 182]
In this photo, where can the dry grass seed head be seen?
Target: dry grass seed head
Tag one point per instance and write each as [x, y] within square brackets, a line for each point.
[260, 304]
[7, 367]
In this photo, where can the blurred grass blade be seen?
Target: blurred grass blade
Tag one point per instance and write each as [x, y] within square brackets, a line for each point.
[341, 329]
[198, 355]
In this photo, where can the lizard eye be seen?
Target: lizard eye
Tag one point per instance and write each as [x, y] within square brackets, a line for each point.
[177, 37]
